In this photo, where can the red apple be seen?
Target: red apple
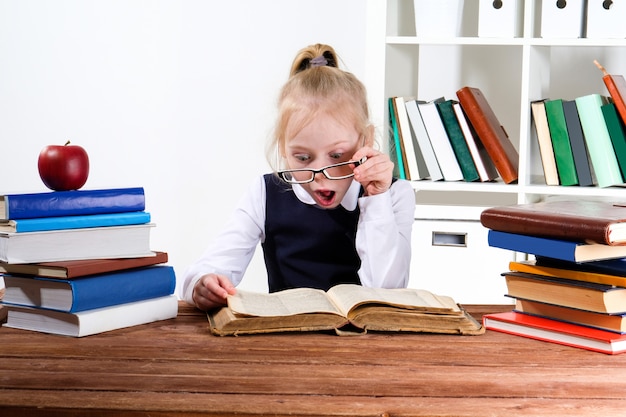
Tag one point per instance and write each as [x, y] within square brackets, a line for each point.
[63, 168]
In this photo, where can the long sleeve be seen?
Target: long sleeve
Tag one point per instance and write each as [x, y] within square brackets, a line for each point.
[383, 239]
[231, 252]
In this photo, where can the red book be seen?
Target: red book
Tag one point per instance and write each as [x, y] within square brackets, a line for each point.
[490, 132]
[554, 331]
[616, 84]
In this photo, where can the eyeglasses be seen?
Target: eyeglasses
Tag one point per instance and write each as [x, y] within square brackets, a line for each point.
[338, 171]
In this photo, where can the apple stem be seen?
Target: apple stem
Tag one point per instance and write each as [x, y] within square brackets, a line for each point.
[67, 143]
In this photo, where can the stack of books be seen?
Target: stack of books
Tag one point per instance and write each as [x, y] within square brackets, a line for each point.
[79, 262]
[458, 139]
[573, 289]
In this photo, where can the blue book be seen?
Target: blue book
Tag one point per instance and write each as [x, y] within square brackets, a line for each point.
[564, 250]
[74, 222]
[76, 202]
[90, 292]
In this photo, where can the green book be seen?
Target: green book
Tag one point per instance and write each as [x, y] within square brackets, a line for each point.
[399, 168]
[598, 141]
[561, 143]
[457, 140]
[617, 132]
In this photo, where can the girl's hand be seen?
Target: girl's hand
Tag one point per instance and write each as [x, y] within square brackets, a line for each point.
[211, 291]
[375, 173]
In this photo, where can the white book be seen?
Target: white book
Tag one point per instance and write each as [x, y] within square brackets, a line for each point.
[439, 140]
[75, 244]
[484, 165]
[95, 321]
[423, 141]
[415, 163]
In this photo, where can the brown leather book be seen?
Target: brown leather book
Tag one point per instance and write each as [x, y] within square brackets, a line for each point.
[80, 268]
[600, 222]
[490, 132]
[616, 85]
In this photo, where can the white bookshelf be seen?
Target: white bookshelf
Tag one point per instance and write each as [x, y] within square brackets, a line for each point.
[511, 72]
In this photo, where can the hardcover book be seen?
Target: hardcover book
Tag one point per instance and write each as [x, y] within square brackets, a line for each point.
[555, 331]
[609, 322]
[565, 250]
[617, 133]
[577, 141]
[74, 244]
[578, 220]
[544, 141]
[396, 143]
[588, 296]
[94, 291]
[457, 140]
[415, 165]
[345, 308]
[74, 222]
[84, 267]
[568, 270]
[491, 133]
[616, 85]
[598, 140]
[561, 142]
[423, 141]
[95, 321]
[64, 203]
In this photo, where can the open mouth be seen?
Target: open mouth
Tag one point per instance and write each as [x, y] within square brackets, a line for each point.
[325, 197]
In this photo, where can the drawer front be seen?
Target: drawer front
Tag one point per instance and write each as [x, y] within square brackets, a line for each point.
[452, 257]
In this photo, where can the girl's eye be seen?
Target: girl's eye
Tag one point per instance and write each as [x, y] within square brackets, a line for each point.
[336, 155]
[302, 157]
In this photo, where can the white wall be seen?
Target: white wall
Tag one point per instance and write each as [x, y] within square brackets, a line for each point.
[174, 96]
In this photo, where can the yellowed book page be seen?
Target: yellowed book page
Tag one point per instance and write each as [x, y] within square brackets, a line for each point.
[348, 296]
[283, 303]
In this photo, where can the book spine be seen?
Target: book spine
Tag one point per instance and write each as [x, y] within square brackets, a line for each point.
[76, 202]
[128, 286]
[544, 141]
[560, 143]
[397, 146]
[551, 248]
[76, 222]
[577, 141]
[423, 141]
[598, 141]
[457, 140]
[490, 132]
[406, 137]
[616, 85]
[615, 126]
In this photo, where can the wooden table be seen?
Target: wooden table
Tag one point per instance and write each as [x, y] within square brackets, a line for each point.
[176, 367]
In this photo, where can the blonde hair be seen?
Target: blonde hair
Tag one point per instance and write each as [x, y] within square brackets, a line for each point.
[317, 85]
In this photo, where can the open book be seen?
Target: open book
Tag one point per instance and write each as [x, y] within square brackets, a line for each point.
[346, 307]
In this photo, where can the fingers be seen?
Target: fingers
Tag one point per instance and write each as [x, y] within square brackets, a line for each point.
[375, 173]
[211, 291]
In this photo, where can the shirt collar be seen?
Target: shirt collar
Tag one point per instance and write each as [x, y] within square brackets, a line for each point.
[349, 202]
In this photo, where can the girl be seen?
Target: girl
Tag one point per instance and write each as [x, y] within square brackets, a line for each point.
[331, 213]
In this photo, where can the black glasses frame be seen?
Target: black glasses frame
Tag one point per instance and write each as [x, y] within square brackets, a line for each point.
[284, 175]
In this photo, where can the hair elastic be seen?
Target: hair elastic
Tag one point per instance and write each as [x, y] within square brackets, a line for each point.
[319, 61]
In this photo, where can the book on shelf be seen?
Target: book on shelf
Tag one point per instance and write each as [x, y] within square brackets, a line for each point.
[583, 295]
[565, 250]
[484, 166]
[609, 322]
[80, 268]
[415, 166]
[90, 292]
[563, 154]
[397, 154]
[438, 136]
[577, 142]
[617, 133]
[554, 268]
[580, 220]
[344, 308]
[423, 141]
[544, 141]
[457, 140]
[556, 331]
[40, 224]
[64, 203]
[598, 140]
[74, 244]
[94, 321]
[616, 85]
[490, 132]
